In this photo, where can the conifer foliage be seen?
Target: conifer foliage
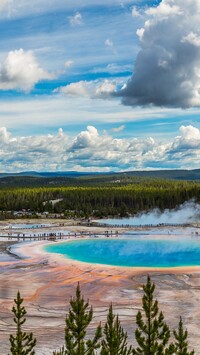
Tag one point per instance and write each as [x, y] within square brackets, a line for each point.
[79, 317]
[22, 343]
[152, 333]
[115, 340]
[181, 343]
[59, 352]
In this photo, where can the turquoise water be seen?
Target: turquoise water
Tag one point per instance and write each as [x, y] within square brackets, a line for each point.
[28, 226]
[134, 252]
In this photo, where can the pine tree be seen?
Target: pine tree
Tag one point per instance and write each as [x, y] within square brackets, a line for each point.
[152, 334]
[59, 352]
[77, 321]
[181, 344]
[22, 343]
[115, 342]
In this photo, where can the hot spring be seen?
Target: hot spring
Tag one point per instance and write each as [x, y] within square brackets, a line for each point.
[134, 251]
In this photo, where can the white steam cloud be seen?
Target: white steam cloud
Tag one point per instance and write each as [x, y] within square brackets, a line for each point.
[188, 212]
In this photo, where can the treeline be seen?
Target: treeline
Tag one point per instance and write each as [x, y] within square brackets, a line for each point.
[152, 335]
[101, 201]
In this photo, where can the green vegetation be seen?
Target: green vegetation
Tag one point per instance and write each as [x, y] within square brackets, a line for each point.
[181, 343]
[115, 199]
[152, 335]
[77, 322]
[115, 339]
[22, 343]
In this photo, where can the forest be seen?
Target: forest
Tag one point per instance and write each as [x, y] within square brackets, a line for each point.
[100, 199]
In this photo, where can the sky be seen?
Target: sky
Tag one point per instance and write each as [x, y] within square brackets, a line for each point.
[99, 85]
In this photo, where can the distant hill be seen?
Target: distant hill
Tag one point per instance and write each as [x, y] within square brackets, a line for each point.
[168, 174]
[47, 174]
[73, 178]
[164, 174]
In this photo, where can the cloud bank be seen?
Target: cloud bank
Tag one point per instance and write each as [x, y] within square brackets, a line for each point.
[167, 68]
[91, 150]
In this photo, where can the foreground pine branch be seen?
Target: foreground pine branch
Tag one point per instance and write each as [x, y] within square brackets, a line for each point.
[181, 343]
[115, 341]
[152, 334]
[22, 343]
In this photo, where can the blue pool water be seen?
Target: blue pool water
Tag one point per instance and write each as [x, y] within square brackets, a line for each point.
[27, 226]
[134, 252]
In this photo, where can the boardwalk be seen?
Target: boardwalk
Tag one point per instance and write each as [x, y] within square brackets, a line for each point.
[58, 236]
[109, 231]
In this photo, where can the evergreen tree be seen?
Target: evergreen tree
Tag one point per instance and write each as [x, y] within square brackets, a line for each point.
[181, 344]
[152, 334]
[59, 352]
[77, 321]
[115, 342]
[22, 343]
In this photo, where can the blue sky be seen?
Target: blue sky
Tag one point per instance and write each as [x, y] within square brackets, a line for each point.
[99, 85]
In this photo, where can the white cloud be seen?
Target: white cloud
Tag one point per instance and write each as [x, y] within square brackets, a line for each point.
[118, 129]
[86, 138]
[92, 150]
[109, 42]
[81, 88]
[113, 68]
[192, 38]
[167, 68]
[165, 9]
[189, 139]
[90, 89]
[135, 12]
[76, 20]
[140, 33]
[105, 88]
[21, 71]
[68, 63]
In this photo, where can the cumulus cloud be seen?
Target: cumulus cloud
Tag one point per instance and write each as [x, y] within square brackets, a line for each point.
[97, 151]
[31, 152]
[165, 9]
[90, 89]
[189, 139]
[76, 20]
[167, 68]
[21, 71]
